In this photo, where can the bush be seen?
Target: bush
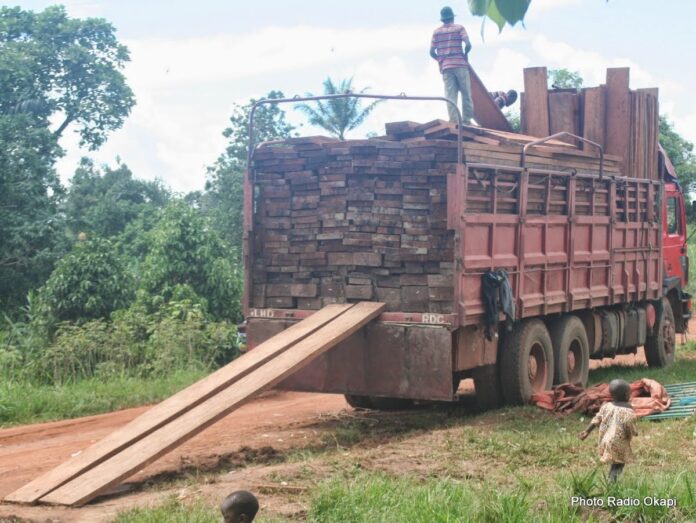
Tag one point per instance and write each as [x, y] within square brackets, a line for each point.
[179, 336]
[185, 251]
[90, 282]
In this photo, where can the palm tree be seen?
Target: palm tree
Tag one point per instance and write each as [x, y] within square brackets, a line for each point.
[338, 115]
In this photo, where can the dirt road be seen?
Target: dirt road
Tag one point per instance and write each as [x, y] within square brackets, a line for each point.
[277, 421]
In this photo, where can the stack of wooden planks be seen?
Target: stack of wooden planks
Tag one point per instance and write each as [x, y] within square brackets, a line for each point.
[357, 220]
[624, 122]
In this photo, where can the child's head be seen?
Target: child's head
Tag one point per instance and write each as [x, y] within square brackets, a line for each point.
[620, 391]
[239, 507]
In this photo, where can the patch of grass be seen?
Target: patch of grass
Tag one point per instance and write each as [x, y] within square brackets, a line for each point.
[368, 497]
[28, 403]
[683, 369]
[691, 286]
[176, 511]
[678, 488]
[173, 511]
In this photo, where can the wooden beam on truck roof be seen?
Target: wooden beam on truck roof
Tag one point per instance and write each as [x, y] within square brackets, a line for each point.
[563, 114]
[536, 102]
[618, 115]
[594, 107]
[486, 112]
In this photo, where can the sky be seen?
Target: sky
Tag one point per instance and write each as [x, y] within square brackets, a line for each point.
[191, 62]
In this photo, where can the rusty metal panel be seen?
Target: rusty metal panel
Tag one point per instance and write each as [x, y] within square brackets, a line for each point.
[472, 349]
[568, 241]
[382, 359]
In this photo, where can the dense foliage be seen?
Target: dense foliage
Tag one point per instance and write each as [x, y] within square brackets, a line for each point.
[90, 282]
[222, 200]
[565, 79]
[52, 69]
[188, 257]
[103, 201]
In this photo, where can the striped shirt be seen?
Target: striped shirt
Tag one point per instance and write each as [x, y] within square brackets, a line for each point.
[447, 42]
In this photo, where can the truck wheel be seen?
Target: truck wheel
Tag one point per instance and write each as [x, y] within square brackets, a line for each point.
[660, 348]
[487, 385]
[571, 351]
[526, 362]
[358, 402]
[381, 403]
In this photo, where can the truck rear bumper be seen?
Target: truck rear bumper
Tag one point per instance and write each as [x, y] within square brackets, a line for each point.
[390, 359]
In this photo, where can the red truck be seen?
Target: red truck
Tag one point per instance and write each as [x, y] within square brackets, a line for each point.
[586, 263]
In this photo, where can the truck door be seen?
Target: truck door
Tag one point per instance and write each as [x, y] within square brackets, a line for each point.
[676, 263]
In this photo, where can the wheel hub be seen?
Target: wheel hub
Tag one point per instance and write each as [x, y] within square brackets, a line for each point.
[571, 362]
[668, 335]
[532, 367]
[536, 368]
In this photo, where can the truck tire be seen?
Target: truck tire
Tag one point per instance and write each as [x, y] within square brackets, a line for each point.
[661, 348]
[571, 351]
[487, 385]
[358, 402]
[380, 403]
[526, 362]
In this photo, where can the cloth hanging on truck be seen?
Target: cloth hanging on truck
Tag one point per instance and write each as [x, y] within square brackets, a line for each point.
[497, 296]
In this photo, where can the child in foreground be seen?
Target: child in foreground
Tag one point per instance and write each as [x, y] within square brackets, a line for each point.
[239, 507]
[617, 426]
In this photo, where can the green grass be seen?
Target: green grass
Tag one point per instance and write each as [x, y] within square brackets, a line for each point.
[683, 370]
[26, 403]
[367, 497]
[691, 247]
[175, 511]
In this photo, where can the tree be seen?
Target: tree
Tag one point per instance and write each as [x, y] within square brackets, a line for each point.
[104, 201]
[89, 282]
[65, 68]
[681, 153]
[339, 115]
[31, 236]
[565, 79]
[223, 198]
[52, 69]
[185, 253]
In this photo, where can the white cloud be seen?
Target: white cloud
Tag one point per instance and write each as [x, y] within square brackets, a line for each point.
[185, 88]
[538, 6]
[82, 8]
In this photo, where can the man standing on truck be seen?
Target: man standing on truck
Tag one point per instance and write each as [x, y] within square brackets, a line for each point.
[446, 48]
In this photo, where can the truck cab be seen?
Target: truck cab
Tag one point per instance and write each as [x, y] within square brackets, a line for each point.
[675, 249]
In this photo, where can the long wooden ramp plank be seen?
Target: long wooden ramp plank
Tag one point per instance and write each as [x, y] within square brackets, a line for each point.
[486, 112]
[175, 406]
[133, 458]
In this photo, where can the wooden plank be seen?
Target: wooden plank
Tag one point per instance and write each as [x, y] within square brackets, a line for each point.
[563, 114]
[536, 101]
[133, 458]
[486, 112]
[175, 406]
[523, 113]
[618, 115]
[653, 127]
[594, 107]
